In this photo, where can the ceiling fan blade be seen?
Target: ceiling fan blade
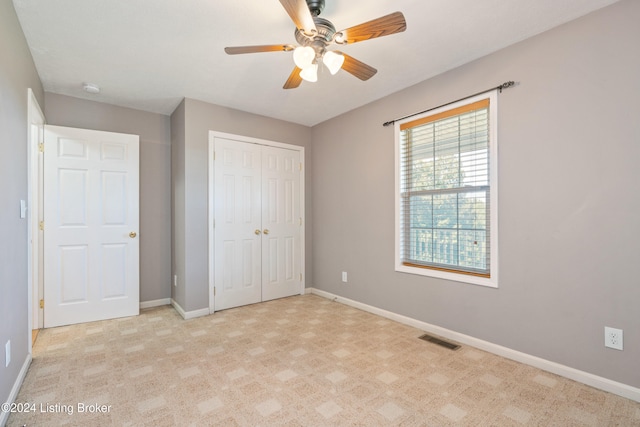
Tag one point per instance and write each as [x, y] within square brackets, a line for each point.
[300, 15]
[384, 26]
[294, 79]
[255, 49]
[357, 68]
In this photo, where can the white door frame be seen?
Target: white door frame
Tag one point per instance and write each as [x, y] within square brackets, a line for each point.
[211, 203]
[36, 118]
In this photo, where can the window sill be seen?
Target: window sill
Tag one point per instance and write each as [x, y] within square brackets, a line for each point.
[491, 282]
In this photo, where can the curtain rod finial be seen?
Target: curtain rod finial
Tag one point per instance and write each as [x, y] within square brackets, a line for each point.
[506, 85]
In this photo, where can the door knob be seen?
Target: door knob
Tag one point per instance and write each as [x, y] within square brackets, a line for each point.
[266, 231]
[132, 234]
[257, 232]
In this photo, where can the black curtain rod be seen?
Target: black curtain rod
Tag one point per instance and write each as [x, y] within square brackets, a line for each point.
[504, 85]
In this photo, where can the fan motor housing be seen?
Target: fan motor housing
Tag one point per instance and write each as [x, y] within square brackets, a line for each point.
[325, 33]
[315, 6]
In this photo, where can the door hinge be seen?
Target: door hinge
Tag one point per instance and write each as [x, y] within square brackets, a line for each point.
[214, 156]
[42, 225]
[41, 303]
[301, 277]
[41, 147]
[300, 165]
[214, 291]
[301, 221]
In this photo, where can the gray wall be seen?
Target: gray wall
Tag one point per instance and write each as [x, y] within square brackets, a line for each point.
[193, 120]
[17, 74]
[569, 199]
[155, 177]
[178, 213]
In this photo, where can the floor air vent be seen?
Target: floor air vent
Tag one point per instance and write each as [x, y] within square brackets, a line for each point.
[442, 343]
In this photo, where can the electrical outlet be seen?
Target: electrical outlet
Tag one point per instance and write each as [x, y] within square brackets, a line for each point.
[613, 338]
[344, 276]
[7, 353]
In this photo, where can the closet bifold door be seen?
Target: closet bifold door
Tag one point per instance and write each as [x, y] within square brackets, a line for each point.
[238, 228]
[280, 223]
[258, 222]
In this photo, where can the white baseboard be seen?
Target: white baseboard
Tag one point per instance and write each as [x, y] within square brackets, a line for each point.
[186, 315]
[4, 416]
[155, 303]
[592, 380]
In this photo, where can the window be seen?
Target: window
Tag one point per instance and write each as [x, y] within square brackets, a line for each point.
[446, 192]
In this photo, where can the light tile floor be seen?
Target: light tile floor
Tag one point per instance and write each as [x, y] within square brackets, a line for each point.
[299, 361]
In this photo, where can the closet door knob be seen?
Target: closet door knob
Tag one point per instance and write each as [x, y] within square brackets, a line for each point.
[257, 232]
[133, 234]
[266, 231]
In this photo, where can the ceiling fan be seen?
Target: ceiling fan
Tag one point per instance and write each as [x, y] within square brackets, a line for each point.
[314, 35]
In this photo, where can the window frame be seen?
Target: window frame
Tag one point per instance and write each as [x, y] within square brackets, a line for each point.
[446, 273]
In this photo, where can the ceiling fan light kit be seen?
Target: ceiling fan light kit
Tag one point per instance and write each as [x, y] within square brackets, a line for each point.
[333, 61]
[303, 56]
[315, 34]
[310, 73]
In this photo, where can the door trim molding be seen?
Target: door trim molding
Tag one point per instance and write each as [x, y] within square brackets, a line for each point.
[35, 116]
[211, 202]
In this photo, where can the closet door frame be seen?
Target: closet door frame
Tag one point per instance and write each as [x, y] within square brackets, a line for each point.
[211, 203]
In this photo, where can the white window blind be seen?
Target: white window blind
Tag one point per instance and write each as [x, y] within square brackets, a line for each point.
[445, 190]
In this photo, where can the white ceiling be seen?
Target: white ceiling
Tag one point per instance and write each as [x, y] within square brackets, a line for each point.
[149, 54]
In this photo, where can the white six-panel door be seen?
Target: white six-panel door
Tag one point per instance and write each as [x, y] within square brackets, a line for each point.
[258, 222]
[91, 221]
[238, 226]
[281, 223]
